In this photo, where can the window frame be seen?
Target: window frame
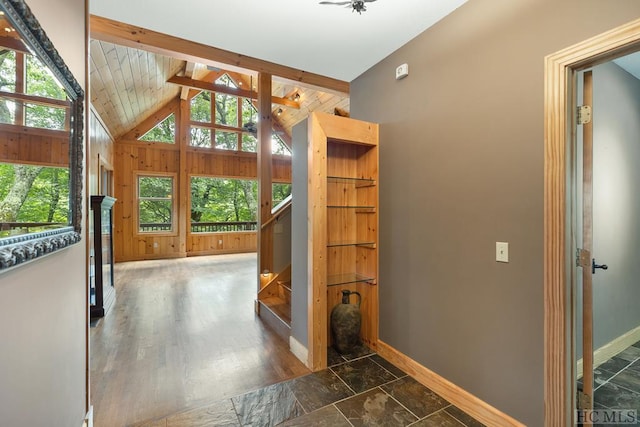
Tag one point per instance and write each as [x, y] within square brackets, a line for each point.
[174, 209]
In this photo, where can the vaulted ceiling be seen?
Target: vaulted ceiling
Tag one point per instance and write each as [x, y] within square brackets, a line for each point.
[129, 85]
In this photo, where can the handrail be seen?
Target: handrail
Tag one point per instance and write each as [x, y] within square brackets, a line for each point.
[280, 209]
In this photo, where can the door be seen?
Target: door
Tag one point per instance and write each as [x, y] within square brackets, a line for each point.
[585, 249]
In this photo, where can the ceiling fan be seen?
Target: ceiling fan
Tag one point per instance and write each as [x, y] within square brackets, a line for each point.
[356, 5]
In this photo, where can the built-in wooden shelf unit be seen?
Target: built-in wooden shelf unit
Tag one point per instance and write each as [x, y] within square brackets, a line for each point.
[343, 225]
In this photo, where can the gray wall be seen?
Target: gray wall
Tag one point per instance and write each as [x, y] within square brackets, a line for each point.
[299, 243]
[461, 167]
[282, 242]
[43, 304]
[616, 210]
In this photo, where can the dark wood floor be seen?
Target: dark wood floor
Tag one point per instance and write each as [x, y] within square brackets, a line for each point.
[181, 334]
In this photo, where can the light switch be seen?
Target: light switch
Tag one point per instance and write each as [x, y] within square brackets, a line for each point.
[502, 251]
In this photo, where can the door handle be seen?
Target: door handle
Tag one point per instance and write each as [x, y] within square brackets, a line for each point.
[594, 266]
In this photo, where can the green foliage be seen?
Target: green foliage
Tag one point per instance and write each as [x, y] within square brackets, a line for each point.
[40, 82]
[155, 195]
[200, 137]
[200, 107]
[48, 197]
[7, 83]
[221, 200]
[226, 140]
[280, 192]
[165, 131]
[226, 109]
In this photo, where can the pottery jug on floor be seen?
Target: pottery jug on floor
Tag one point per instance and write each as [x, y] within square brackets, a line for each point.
[345, 323]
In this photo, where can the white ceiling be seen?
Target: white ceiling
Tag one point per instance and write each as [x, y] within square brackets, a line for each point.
[324, 39]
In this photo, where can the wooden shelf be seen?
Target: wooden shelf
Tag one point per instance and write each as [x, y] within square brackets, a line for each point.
[369, 244]
[358, 209]
[346, 278]
[357, 182]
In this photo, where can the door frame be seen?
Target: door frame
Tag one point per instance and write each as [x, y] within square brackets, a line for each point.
[559, 215]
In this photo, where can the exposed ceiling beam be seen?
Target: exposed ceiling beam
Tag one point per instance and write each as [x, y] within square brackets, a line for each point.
[132, 36]
[188, 72]
[212, 87]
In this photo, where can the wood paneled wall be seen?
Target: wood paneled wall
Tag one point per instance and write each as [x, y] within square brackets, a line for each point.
[133, 157]
[101, 151]
[33, 146]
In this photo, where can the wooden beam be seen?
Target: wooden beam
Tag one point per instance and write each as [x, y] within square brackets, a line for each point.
[150, 122]
[188, 72]
[14, 44]
[265, 173]
[212, 87]
[34, 99]
[140, 38]
[184, 184]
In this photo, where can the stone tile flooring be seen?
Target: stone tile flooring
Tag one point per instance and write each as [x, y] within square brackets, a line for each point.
[617, 381]
[361, 389]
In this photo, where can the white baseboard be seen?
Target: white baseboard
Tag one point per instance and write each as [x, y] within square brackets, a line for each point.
[88, 419]
[611, 349]
[299, 350]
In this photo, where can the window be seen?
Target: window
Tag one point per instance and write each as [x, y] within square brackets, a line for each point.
[165, 131]
[155, 203]
[37, 197]
[44, 104]
[280, 191]
[223, 205]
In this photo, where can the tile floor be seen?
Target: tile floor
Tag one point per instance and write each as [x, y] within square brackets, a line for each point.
[361, 389]
[617, 381]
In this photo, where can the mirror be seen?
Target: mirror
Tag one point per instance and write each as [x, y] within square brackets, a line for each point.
[41, 125]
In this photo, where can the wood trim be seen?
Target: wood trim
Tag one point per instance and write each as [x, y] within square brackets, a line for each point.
[140, 38]
[587, 246]
[317, 225]
[558, 266]
[461, 398]
[26, 130]
[611, 349]
[35, 99]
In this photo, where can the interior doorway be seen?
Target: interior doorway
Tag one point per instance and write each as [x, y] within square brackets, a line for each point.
[564, 264]
[607, 235]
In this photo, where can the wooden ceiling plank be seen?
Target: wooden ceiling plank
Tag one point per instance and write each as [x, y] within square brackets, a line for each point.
[141, 38]
[212, 87]
[150, 122]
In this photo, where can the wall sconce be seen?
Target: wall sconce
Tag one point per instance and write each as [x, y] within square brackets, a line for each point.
[279, 112]
[265, 273]
[296, 96]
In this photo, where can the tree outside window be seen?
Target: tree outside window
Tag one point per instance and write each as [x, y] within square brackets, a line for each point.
[155, 203]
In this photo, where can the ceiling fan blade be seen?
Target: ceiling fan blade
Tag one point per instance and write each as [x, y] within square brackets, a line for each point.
[336, 3]
[369, 1]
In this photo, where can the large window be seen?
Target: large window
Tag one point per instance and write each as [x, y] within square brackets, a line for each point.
[227, 122]
[222, 205]
[155, 203]
[165, 131]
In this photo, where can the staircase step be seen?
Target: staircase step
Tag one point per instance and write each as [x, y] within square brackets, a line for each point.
[279, 307]
[273, 320]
